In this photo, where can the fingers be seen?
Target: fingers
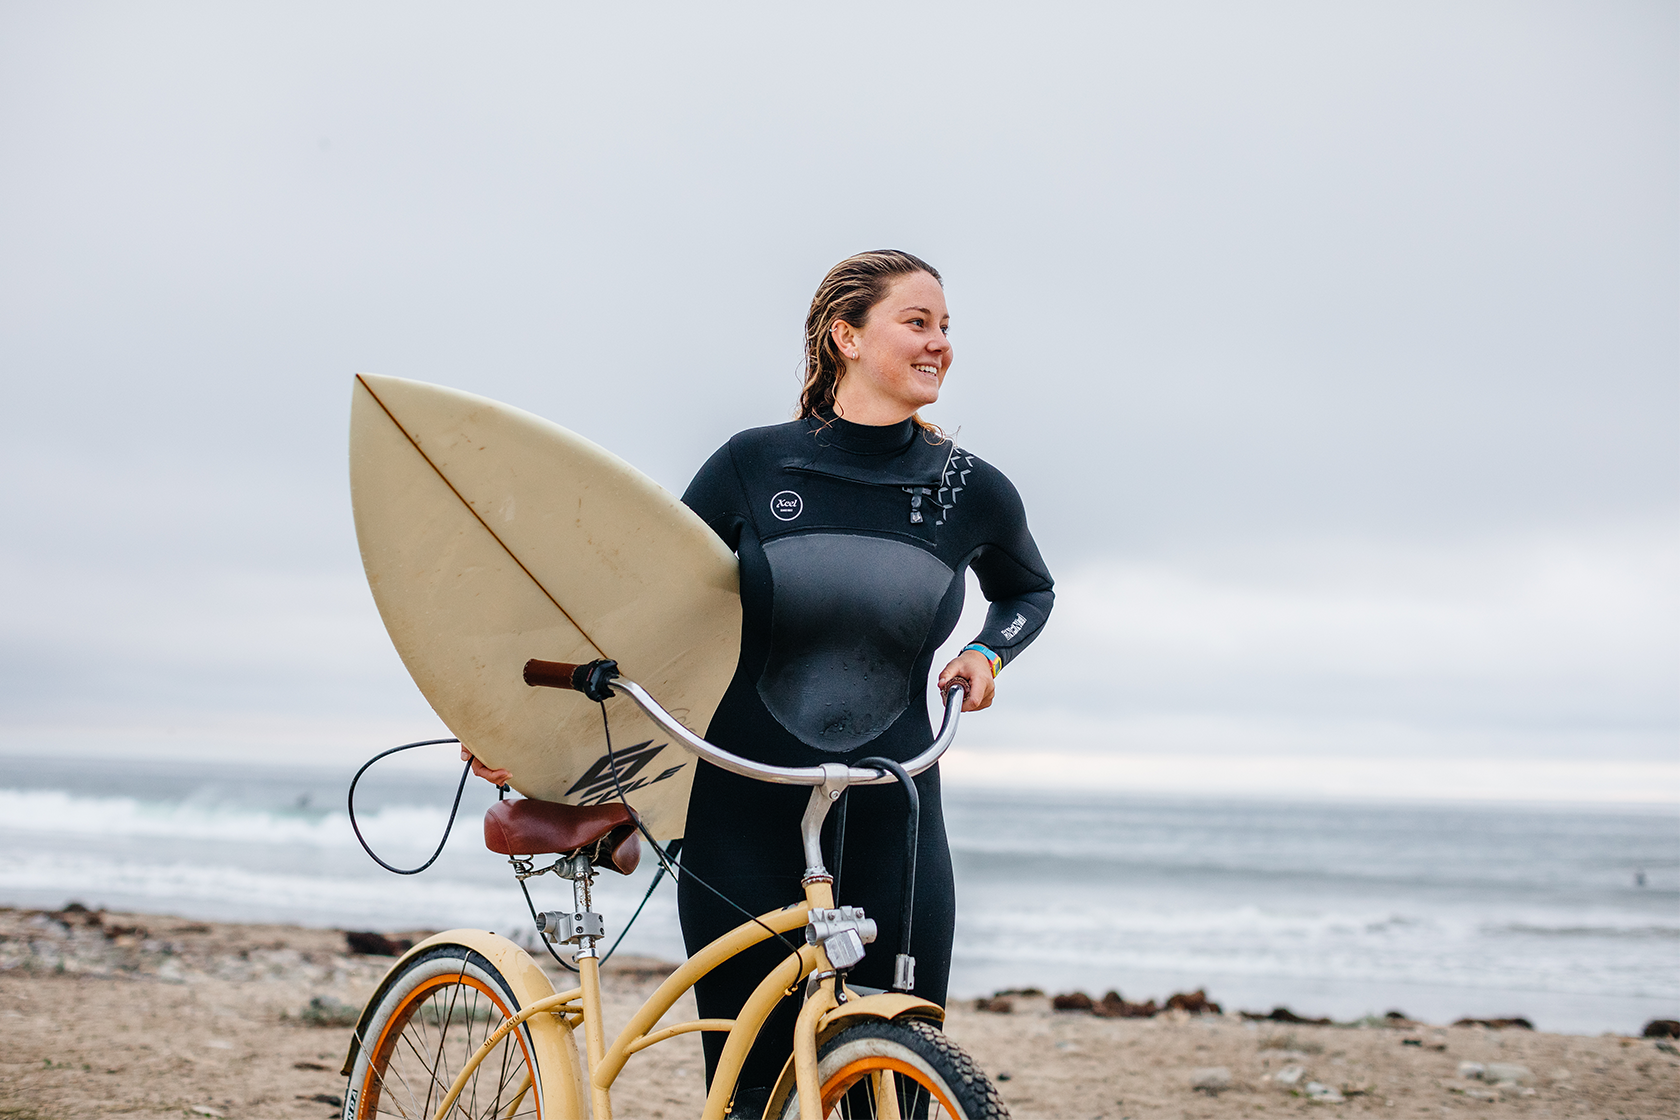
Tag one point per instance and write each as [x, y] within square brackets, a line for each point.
[494, 777]
[975, 674]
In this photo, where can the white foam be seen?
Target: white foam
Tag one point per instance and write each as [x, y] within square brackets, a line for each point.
[46, 813]
[368, 900]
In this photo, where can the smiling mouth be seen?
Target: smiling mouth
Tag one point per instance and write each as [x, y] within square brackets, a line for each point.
[932, 371]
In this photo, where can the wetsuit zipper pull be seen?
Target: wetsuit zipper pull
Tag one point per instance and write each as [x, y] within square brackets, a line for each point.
[917, 493]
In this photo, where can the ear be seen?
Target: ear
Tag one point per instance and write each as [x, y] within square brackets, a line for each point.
[845, 338]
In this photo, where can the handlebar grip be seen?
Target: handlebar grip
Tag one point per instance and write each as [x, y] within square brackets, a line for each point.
[551, 674]
[591, 678]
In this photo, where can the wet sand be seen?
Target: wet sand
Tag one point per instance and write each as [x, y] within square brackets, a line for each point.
[146, 1016]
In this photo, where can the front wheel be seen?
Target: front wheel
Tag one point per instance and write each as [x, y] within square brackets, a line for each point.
[903, 1070]
[429, 1019]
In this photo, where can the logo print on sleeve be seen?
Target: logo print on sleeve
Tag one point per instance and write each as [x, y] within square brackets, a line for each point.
[787, 505]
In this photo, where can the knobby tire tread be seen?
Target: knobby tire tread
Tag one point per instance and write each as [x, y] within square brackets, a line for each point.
[973, 1092]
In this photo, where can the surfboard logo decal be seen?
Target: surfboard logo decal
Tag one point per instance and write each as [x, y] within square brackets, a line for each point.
[787, 505]
[597, 785]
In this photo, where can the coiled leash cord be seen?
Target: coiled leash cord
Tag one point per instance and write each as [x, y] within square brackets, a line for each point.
[459, 787]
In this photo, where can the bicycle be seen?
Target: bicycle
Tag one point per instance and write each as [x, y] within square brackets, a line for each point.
[467, 1024]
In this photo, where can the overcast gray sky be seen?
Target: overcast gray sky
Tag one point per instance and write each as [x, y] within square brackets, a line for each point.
[1335, 348]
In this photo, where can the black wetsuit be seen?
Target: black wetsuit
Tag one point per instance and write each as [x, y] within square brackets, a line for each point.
[852, 541]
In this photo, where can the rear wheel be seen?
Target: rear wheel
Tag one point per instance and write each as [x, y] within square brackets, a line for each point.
[429, 1020]
[904, 1070]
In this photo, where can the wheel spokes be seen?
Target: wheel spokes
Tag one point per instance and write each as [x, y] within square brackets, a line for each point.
[428, 1039]
[882, 1089]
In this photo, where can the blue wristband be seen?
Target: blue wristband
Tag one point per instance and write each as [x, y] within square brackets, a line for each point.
[992, 658]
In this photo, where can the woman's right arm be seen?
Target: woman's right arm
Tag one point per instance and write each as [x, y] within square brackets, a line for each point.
[716, 494]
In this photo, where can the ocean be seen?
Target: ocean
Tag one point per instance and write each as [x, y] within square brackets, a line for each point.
[1568, 916]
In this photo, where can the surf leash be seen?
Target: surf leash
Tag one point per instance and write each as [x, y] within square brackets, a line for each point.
[360, 839]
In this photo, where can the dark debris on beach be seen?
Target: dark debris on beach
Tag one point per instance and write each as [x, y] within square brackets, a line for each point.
[1114, 1006]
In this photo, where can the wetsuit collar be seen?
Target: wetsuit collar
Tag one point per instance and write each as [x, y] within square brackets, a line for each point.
[864, 439]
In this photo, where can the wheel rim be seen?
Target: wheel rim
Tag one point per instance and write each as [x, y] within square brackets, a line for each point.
[856, 1090]
[427, 1040]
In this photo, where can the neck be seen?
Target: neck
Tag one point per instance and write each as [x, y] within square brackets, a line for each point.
[862, 439]
[869, 410]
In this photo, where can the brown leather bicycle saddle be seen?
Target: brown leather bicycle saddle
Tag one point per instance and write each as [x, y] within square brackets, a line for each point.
[529, 827]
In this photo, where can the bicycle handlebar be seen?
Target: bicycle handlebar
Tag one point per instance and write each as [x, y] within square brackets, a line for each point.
[550, 674]
[597, 679]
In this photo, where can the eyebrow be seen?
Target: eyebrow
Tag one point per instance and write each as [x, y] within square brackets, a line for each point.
[923, 310]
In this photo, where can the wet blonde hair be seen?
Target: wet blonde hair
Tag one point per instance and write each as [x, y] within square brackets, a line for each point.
[845, 295]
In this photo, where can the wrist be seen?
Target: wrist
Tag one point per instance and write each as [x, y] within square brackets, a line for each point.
[992, 659]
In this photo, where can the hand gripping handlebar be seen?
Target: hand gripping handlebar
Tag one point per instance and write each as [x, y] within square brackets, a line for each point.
[599, 679]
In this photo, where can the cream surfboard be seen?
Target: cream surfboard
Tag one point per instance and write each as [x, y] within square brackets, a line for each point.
[491, 536]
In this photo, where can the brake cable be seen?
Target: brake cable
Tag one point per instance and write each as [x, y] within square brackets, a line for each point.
[664, 863]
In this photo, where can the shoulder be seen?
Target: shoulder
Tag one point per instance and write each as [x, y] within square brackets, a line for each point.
[964, 468]
[971, 484]
[757, 449]
[771, 435]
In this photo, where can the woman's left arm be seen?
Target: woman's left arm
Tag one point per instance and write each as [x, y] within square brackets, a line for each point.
[1014, 577]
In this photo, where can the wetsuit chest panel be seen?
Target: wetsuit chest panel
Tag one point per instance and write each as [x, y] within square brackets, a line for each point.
[848, 618]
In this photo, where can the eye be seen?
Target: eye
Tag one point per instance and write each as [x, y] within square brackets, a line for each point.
[918, 322]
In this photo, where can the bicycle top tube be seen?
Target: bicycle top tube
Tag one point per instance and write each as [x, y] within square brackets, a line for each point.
[556, 674]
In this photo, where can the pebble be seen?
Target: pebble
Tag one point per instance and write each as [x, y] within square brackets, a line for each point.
[1210, 1079]
[1507, 1073]
[1318, 1091]
[1471, 1071]
[1289, 1075]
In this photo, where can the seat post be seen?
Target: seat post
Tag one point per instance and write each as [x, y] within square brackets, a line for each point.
[589, 974]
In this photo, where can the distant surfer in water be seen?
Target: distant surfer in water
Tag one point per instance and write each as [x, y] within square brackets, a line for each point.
[854, 525]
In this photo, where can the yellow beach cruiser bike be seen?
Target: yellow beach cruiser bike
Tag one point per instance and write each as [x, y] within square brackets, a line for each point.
[466, 1025]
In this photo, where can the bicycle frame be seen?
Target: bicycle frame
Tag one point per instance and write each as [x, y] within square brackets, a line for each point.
[827, 1005]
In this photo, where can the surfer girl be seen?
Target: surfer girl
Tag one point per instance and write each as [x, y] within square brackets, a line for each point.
[854, 525]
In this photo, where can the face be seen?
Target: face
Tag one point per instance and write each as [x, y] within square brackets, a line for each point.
[897, 360]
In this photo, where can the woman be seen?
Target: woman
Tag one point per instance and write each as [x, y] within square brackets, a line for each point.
[854, 525]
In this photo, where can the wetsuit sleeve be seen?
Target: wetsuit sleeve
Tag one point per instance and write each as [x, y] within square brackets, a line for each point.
[717, 496]
[1013, 576]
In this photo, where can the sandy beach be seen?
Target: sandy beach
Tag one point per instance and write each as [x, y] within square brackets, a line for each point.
[105, 1014]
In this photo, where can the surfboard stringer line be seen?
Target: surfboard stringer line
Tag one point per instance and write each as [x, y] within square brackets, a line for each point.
[493, 536]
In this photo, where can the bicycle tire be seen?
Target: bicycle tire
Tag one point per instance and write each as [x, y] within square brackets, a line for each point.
[932, 1078]
[429, 1019]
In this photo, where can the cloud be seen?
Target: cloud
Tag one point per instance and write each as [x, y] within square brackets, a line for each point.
[1536, 648]
[1331, 347]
